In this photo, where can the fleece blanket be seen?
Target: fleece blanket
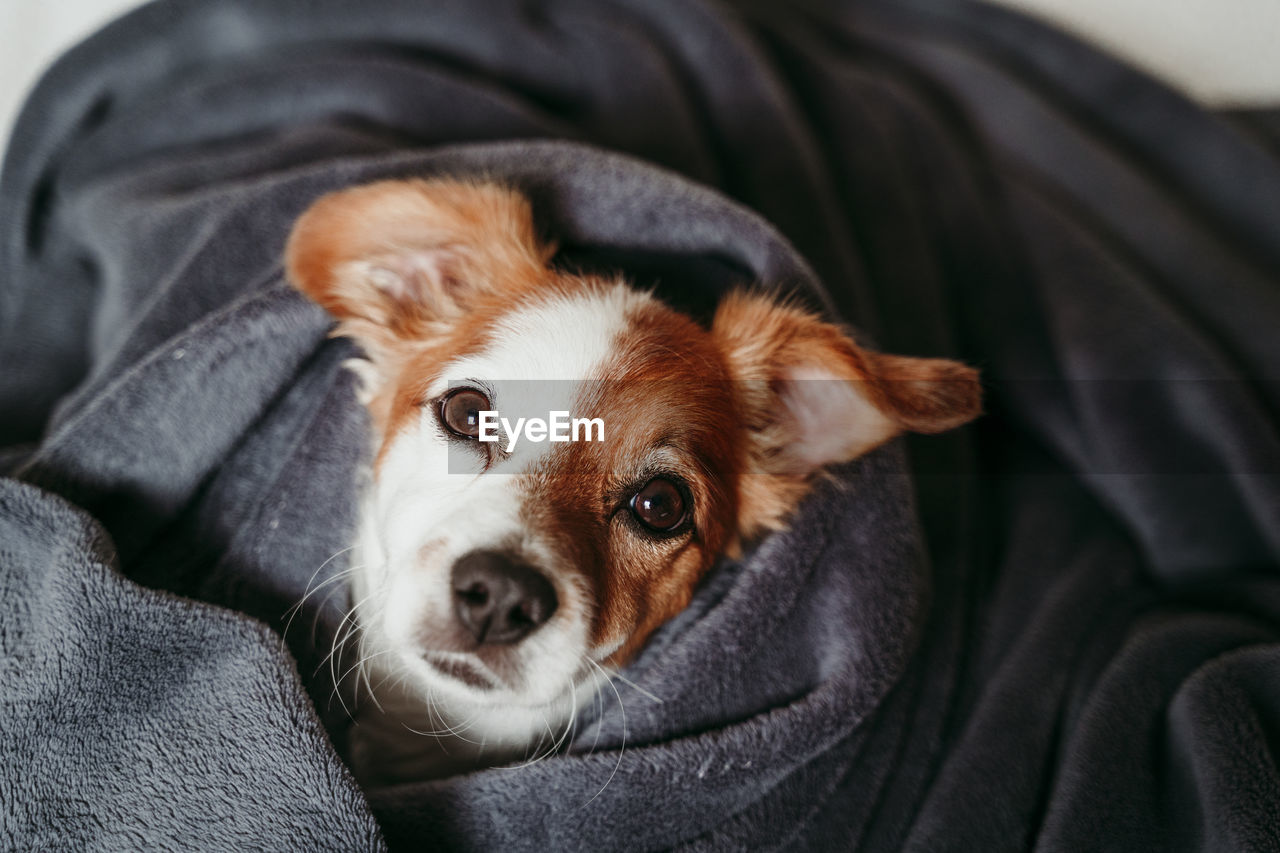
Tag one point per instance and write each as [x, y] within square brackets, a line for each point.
[1054, 630]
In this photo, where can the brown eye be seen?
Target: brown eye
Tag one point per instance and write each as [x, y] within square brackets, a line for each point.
[460, 411]
[659, 505]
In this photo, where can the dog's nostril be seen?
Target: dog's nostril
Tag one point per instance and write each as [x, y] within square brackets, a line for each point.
[529, 611]
[499, 598]
[476, 594]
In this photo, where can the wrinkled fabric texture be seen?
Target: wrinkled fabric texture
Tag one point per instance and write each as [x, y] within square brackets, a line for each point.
[1055, 629]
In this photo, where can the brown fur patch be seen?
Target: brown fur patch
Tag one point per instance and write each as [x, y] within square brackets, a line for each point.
[668, 409]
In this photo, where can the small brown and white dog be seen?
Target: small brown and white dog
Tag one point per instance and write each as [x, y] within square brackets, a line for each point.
[491, 606]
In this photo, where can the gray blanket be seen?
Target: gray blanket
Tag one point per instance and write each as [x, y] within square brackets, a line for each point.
[1056, 629]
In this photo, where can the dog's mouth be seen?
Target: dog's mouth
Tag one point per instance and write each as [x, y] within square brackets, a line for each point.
[463, 671]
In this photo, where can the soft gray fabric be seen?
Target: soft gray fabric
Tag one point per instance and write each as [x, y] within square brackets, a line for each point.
[135, 720]
[1056, 629]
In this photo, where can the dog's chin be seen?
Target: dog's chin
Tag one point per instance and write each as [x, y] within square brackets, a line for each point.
[441, 713]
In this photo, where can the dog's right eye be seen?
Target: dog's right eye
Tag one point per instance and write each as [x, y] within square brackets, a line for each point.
[460, 410]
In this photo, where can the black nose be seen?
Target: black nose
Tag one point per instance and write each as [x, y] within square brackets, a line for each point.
[499, 598]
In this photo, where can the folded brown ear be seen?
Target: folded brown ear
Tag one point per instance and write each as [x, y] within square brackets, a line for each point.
[397, 254]
[926, 395]
[812, 397]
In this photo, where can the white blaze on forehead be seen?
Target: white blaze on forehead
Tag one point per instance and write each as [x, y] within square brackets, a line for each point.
[540, 353]
[562, 337]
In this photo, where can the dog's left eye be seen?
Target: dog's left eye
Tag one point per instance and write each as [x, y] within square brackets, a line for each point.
[659, 505]
[460, 410]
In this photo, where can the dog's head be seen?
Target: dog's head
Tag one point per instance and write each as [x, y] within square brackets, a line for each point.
[499, 577]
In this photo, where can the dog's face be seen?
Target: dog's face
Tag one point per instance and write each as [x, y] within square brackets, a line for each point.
[501, 574]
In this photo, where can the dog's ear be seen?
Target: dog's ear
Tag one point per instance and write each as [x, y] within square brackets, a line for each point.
[394, 259]
[812, 397]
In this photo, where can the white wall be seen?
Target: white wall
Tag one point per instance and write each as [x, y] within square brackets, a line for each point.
[1224, 52]
[33, 33]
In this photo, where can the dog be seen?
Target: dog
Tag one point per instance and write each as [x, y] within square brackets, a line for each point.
[490, 607]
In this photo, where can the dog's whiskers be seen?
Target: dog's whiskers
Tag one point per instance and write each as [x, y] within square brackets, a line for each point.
[293, 611]
[623, 748]
[362, 662]
[557, 741]
[341, 638]
[636, 687]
